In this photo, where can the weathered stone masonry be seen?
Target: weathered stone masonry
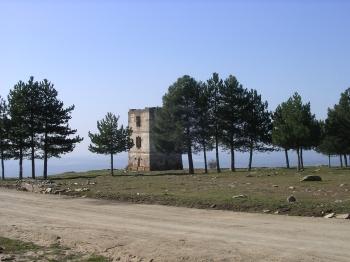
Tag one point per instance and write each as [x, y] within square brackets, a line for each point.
[144, 156]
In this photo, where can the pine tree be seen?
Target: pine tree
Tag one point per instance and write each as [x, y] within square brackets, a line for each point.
[204, 136]
[281, 130]
[232, 102]
[179, 116]
[257, 125]
[295, 127]
[110, 139]
[214, 86]
[18, 132]
[56, 136]
[32, 123]
[4, 138]
[336, 138]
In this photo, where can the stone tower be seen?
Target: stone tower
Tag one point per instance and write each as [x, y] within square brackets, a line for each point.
[144, 156]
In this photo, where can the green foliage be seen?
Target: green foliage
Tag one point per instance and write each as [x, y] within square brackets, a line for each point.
[38, 124]
[110, 139]
[215, 84]
[336, 130]
[257, 124]
[5, 152]
[295, 127]
[232, 101]
[56, 136]
[176, 126]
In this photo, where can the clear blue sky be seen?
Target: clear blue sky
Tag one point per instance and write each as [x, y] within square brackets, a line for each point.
[115, 55]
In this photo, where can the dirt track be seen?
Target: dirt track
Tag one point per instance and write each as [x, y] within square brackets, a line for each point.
[143, 232]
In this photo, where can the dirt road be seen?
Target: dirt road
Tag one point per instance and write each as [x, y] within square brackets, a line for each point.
[130, 232]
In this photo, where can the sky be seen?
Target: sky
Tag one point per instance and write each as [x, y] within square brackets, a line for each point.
[110, 56]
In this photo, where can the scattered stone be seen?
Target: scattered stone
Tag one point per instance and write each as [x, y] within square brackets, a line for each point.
[7, 258]
[331, 215]
[343, 216]
[342, 185]
[291, 187]
[75, 183]
[338, 201]
[275, 185]
[277, 212]
[291, 199]
[266, 211]
[48, 190]
[26, 187]
[239, 196]
[213, 206]
[311, 178]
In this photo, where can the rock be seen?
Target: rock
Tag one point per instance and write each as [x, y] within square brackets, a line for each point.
[277, 212]
[311, 178]
[266, 211]
[275, 185]
[48, 190]
[291, 187]
[338, 201]
[213, 206]
[331, 215]
[341, 185]
[26, 187]
[343, 216]
[239, 196]
[291, 199]
[7, 258]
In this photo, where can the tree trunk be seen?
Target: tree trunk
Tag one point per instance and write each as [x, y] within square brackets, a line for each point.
[341, 161]
[205, 159]
[218, 169]
[287, 158]
[345, 161]
[233, 168]
[190, 160]
[20, 164]
[45, 165]
[250, 158]
[2, 168]
[298, 154]
[45, 157]
[301, 159]
[329, 161]
[33, 157]
[112, 165]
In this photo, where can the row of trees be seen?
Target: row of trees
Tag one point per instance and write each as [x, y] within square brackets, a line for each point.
[34, 124]
[201, 116]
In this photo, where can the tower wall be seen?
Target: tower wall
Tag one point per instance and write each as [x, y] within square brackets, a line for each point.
[144, 156]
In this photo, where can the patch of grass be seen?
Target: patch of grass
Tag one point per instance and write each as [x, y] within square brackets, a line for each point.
[97, 258]
[11, 246]
[27, 251]
[264, 188]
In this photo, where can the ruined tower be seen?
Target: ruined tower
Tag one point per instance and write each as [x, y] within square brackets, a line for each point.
[144, 156]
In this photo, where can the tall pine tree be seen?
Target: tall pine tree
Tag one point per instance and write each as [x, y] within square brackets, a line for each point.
[4, 137]
[214, 86]
[56, 136]
[110, 139]
[231, 114]
[257, 125]
[18, 135]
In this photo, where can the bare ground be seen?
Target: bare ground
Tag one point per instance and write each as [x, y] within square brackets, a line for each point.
[132, 232]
